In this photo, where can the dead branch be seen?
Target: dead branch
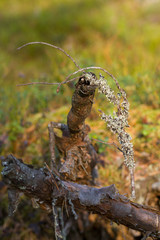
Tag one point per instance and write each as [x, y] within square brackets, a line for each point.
[52, 145]
[53, 46]
[82, 101]
[33, 83]
[106, 201]
[47, 83]
[75, 147]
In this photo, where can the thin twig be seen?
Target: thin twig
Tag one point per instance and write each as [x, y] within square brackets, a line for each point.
[72, 209]
[66, 206]
[133, 191]
[54, 172]
[32, 83]
[53, 46]
[52, 145]
[58, 234]
[97, 68]
[114, 144]
[47, 83]
[64, 82]
[61, 218]
[146, 235]
[51, 175]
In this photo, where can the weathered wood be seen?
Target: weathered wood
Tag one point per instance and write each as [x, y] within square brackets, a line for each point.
[82, 101]
[80, 158]
[106, 201]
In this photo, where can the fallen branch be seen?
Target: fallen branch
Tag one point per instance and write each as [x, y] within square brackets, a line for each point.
[106, 201]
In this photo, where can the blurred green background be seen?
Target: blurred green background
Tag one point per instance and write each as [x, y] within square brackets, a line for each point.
[122, 36]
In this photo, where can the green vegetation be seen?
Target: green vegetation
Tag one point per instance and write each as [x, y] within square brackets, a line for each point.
[121, 36]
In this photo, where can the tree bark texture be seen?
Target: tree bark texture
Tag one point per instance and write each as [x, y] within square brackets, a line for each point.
[107, 202]
[79, 156]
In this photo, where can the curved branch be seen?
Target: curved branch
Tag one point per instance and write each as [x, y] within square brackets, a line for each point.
[53, 46]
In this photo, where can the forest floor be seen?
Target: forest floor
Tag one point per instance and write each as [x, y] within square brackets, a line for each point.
[121, 36]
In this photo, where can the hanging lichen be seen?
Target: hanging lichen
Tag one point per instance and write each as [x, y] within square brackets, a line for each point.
[118, 122]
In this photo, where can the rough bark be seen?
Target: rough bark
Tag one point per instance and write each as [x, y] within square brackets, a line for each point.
[107, 202]
[82, 101]
[79, 156]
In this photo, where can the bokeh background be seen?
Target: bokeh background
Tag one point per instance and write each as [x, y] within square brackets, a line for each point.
[122, 36]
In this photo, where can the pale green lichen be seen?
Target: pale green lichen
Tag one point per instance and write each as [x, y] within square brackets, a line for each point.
[118, 122]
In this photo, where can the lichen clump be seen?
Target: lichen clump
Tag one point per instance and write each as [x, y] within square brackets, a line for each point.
[118, 122]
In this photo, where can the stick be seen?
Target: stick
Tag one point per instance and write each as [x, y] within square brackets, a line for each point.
[53, 46]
